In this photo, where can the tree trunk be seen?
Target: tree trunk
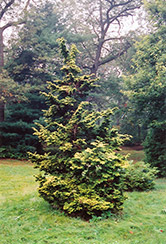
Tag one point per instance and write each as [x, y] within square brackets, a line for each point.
[2, 117]
[1, 49]
[96, 61]
[2, 105]
[2, 108]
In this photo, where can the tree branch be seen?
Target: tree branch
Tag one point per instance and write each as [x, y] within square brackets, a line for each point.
[26, 5]
[87, 50]
[3, 11]
[101, 17]
[113, 38]
[12, 23]
[113, 57]
[109, 19]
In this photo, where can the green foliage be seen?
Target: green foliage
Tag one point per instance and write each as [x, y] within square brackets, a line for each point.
[139, 176]
[155, 146]
[29, 64]
[16, 151]
[147, 87]
[9, 89]
[132, 124]
[33, 53]
[157, 11]
[108, 95]
[16, 131]
[80, 170]
[91, 186]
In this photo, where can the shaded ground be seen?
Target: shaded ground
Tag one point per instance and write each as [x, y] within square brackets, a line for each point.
[134, 148]
[135, 153]
[14, 162]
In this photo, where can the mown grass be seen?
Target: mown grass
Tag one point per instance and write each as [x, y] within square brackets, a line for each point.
[26, 218]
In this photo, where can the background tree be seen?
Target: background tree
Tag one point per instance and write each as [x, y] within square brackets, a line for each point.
[30, 64]
[11, 14]
[103, 42]
[33, 56]
[147, 87]
[100, 21]
[110, 94]
[9, 91]
[130, 121]
[81, 172]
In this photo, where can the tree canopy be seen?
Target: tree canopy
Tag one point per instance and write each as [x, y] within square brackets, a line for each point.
[147, 86]
[99, 22]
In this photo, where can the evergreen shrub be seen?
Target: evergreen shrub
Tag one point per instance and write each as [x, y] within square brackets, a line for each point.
[155, 146]
[81, 169]
[139, 176]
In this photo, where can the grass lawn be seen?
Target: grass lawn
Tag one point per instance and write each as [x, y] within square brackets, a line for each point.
[134, 154]
[26, 218]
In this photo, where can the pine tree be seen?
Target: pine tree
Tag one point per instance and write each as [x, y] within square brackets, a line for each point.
[31, 61]
[81, 171]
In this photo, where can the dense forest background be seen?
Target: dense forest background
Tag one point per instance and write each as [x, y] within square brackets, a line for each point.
[130, 64]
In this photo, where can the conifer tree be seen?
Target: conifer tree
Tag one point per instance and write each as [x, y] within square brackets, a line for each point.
[81, 171]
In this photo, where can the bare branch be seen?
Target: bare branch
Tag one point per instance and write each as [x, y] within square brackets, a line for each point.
[114, 38]
[124, 12]
[98, 37]
[110, 58]
[12, 23]
[86, 67]
[101, 17]
[27, 4]
[6, 26]
[87, 50]
[7, 6]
